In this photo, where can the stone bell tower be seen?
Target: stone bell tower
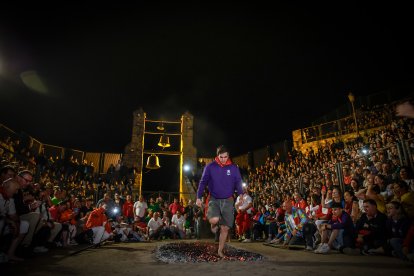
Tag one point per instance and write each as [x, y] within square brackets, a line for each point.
[134, 151]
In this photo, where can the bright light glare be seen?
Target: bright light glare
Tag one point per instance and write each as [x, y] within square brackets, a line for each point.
[33, 81]
[186, 168]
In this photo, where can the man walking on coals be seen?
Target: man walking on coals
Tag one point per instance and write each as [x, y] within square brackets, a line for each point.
[222, 178]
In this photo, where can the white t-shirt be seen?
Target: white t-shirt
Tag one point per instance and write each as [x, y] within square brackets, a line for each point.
[140, 208]
[154, 224]
[179, 222]
[246, 201]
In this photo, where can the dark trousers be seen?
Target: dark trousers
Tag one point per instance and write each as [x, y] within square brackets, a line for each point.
[309, 230]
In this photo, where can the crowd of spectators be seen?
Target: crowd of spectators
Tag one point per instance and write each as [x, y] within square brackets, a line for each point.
[302, 202]
[368, 208]
[367, 118]
[48, 202]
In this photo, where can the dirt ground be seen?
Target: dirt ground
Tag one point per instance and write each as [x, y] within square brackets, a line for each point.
[139, 259]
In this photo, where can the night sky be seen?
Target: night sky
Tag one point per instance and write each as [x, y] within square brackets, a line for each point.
[72, 76]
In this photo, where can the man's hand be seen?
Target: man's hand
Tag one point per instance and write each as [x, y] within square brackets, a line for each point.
[198, 202]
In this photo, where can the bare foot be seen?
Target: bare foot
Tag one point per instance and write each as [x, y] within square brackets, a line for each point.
[221, 254]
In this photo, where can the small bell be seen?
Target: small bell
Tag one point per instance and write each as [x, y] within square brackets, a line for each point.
[164, 141]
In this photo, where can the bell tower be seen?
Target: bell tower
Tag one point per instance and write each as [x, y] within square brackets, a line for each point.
[135, 150]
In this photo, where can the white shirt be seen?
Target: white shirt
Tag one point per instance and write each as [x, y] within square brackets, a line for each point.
[179, 222]
[140, 208]
[246, 201]
[154, 224]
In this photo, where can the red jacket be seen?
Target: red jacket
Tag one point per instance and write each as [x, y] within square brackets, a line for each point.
[322, 213]
[98, 218]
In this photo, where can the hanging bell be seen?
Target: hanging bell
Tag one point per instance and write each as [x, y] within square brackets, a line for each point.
[153, 162]
[160, 126]
[164, 141]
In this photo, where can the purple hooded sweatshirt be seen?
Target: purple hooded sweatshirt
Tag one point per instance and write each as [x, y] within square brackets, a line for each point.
[222, 181]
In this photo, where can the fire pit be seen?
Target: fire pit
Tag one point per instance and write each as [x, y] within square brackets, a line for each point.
[201, 252]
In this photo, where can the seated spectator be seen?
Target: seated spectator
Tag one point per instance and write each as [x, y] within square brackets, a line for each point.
[397, 229]
[26, 204]
[320, 215]
[406, 198]
[187, 226]
[48, 229]
[155, 227]
[271, 223]
[299, 201]
[351, 205]
[10, 223]
[149, 216]
[338, 232]
[295, 219]
[124, 232]
[280, 227]
[374, 192]
[98, 222]
[67, 219]
[370, 230]
[337, 197]
[259, 223]
[406, 174]
[326, 197]
[177, 225]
